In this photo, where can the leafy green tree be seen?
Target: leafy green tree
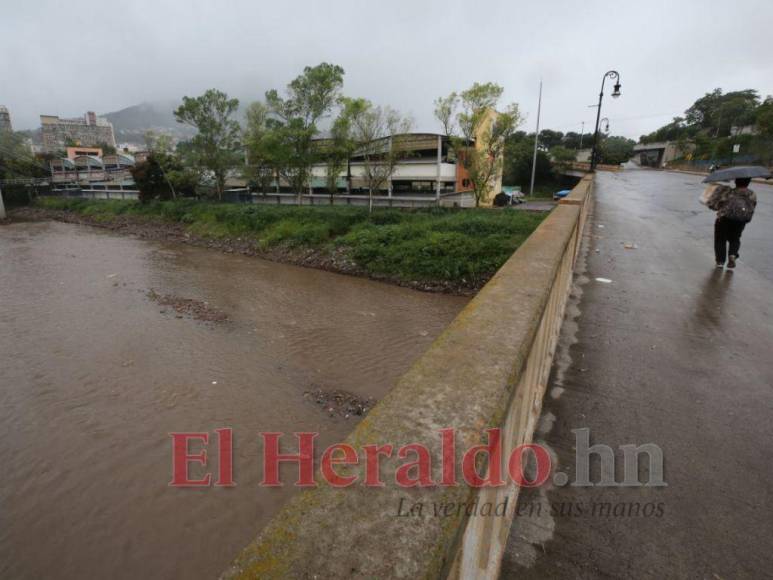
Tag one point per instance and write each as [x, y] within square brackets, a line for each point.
[765, 118]
[549, 138]
[615, 150]
[187, 172]
[309, 98]
[18, 162]
[216, 145]
[16, 158]
[478, 132]
[151, 180]
[670, 132]
[337, 150]
[261, 146]
[518, 159]
[717, 112]
[712, 115]
[163, 154]
[562, 156]
[572, 140]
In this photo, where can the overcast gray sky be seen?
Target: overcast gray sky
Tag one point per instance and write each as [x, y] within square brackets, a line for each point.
[65, 58]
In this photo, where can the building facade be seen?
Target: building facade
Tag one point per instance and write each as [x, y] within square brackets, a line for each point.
[428, 166]
[5, 119]
[87, 166]
[86, 131]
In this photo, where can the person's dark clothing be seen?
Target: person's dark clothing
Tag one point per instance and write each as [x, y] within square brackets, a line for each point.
[727, 232]
[721, 197]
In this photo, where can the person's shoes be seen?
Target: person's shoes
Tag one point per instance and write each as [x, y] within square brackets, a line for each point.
[720, 265]
[731, 262]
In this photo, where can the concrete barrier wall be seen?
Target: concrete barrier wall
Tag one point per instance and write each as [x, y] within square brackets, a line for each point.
[676, 168]
[489, 368]
[582, 166]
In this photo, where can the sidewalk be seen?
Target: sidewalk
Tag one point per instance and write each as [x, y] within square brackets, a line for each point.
[672, 352]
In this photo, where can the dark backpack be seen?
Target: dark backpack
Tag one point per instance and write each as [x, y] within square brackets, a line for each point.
[739, 208]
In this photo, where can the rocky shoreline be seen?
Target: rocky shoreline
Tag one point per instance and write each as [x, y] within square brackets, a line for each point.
[326, 258]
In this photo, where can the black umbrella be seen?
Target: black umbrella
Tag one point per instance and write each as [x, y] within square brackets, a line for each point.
[742, 171]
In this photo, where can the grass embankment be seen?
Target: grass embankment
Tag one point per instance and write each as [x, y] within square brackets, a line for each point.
[433, 249]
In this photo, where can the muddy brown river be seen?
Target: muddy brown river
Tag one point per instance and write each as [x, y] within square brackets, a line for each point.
[94, 375]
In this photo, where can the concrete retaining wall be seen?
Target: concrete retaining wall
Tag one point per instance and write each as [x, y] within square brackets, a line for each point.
[489, 368]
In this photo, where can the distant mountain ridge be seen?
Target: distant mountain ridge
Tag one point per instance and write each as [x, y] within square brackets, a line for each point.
[131, 124]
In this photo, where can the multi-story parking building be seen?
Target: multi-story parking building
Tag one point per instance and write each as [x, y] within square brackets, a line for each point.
[86, 131]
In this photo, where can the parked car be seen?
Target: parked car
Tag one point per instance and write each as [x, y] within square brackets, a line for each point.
[514, 194]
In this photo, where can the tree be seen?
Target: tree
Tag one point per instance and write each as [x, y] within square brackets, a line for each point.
[151, 180]
[718, 112]
[572, 140]
[765, 118]
[445, 109]
[480, 132]
[216, 145]
[162, 153]
[18, 162]
[670, 132]
[712, 115]
[261, 165]
[562, 156]
[309, 98]
[519, 155]
[550, 138]
[17, 159]
[339, 148]
[615, 150]
[375, 133]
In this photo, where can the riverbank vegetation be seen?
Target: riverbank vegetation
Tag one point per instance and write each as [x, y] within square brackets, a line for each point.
[432, 249]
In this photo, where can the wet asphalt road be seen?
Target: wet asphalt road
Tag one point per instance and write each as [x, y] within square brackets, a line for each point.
[671, 352]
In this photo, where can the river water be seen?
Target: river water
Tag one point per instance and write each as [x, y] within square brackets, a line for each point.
[94, 377]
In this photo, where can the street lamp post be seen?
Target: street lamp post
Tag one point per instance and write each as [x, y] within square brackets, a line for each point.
[612, 74]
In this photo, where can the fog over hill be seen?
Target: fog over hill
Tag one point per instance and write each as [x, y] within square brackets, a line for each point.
[131, 124]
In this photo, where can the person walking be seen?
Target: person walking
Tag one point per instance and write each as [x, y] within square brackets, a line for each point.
[735, 208]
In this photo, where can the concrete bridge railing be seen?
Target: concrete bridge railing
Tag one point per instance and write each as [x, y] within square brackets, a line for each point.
[582, 166]
[489, 369]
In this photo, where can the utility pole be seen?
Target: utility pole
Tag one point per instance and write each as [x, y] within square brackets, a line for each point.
[536, 142]
[582, 134]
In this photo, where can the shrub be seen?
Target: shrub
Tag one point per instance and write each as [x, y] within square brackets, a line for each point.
[436, 244]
